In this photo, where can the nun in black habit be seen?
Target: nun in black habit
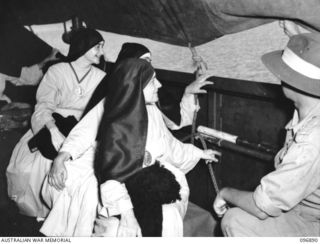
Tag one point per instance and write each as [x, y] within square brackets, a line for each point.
[176, 113]
[132, 136]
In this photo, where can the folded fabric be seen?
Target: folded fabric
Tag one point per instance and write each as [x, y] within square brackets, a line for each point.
[64, 125]
[149, 189]
[42, 141]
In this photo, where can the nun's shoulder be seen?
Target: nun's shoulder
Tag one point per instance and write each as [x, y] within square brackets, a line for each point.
[59, 67]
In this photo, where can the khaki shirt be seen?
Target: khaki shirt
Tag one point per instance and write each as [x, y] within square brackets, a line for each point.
[296, 179]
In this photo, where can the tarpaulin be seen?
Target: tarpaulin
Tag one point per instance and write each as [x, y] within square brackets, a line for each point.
[173, 21]
[177, 22]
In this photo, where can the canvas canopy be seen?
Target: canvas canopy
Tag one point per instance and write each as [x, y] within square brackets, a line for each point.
[202, 23]
[177, 22]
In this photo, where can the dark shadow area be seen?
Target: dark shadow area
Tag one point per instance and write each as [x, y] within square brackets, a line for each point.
[14, 224]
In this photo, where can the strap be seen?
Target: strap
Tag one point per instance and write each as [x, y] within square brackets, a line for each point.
[75, 73]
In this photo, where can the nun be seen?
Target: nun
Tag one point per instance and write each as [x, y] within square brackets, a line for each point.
[61, 97]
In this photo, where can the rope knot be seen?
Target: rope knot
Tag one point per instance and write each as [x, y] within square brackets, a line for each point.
[198, 62]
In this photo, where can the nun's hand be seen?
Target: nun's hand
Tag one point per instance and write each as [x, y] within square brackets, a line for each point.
[58, 173]
[196, 87]
[129, 226]
[211, 155]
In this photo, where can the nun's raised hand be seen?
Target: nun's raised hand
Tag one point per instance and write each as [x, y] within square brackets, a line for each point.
[58, 173]
[196, 87]
[129, 226]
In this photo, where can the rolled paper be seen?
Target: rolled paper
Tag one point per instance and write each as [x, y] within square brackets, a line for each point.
[218, 134]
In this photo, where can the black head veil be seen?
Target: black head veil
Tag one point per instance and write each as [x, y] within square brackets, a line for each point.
[82, 41]
[123, 128]
[169, 105]
[131, 50]
[128, 50]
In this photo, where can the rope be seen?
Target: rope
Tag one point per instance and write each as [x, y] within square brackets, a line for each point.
[201, 68]
[209, 164]
[198, 62]
[210, 167]
[194, 121]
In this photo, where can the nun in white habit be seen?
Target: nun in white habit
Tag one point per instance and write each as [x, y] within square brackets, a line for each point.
[64, 91]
